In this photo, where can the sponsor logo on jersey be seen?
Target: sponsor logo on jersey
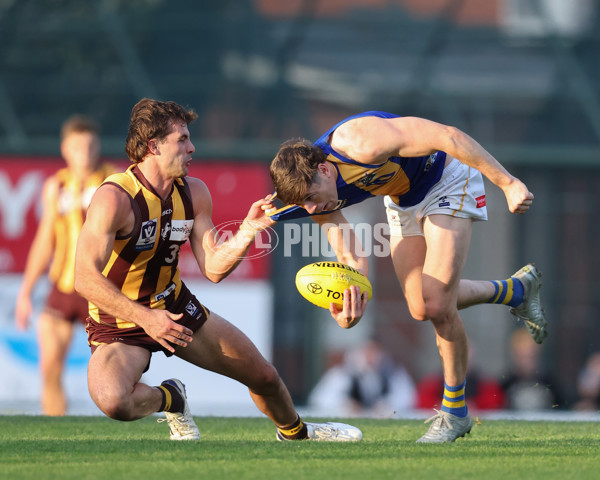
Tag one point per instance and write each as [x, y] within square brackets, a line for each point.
[480, 201]
[181, 230]
[147, 236]
[165, 293]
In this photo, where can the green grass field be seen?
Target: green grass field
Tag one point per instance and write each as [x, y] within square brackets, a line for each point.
[35, 447]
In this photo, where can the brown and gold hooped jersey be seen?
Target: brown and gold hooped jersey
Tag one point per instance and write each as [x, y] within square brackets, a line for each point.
[72, 201]
[143, 264]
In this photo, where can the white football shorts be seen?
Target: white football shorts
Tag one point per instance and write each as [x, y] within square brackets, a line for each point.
[460, 192]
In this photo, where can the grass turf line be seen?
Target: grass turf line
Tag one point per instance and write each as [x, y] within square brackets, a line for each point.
[36, 447]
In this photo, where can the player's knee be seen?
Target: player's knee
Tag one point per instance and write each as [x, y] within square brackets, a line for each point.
[439, 312]
[266, 380]
[417, 310]
[116, 407]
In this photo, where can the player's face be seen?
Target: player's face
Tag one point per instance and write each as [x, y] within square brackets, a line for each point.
[177, 149]
[322, 195]
[81, 151]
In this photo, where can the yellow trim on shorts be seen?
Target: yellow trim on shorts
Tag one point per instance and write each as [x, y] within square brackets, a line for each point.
[462, 200]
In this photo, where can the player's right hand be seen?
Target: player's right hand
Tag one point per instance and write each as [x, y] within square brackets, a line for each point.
[23, 311]
[518, 197]
[162, 326]
[353, 309]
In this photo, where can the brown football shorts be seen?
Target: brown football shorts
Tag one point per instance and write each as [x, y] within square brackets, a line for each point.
[194, 316]
[72, 307]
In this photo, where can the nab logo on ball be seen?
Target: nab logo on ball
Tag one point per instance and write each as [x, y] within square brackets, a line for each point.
[323, 283]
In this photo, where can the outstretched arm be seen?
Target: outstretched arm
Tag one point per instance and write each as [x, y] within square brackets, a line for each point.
[110, 214]
[374, 140]
[216, 257]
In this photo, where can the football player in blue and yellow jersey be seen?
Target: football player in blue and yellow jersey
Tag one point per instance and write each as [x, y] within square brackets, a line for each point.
[127, 267]
[430, 176]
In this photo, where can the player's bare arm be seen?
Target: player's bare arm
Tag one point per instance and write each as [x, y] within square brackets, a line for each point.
[40, 253]
[348, 250]
[110, 214]
[373, 140]
[217, 258]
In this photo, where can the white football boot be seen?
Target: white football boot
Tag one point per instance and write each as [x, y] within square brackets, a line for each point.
[446, 428]
[530, 310]
[181, 424]
[329, 432]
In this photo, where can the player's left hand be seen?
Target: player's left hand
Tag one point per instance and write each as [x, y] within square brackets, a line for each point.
[354, 307]
[518, 197]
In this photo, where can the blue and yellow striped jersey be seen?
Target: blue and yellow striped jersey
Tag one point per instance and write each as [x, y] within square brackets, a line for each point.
[406, 180]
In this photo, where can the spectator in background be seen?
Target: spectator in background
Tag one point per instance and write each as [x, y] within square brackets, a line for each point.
[588, 384]
[366, 384]
[482, 392]
[66, 195]
[526, 386]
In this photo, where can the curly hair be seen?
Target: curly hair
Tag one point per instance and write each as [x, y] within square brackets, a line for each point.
[152, 119]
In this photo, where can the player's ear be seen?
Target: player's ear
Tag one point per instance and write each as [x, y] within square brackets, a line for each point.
[323, 168]
[153, 146]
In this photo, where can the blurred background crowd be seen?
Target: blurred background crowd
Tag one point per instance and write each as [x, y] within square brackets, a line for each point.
[520, 76]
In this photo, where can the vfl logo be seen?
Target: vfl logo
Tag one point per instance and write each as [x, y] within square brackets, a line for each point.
[147, 236]
[314, 288]
[191, 309]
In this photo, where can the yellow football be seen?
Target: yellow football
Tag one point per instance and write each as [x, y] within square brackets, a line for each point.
[323, 283]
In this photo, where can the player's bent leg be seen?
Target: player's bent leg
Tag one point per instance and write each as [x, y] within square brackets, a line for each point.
[114, 372]
[54, 337]
[222, 348]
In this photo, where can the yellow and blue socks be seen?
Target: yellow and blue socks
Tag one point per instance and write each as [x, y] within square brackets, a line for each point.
[172, 401]
[295, 431]
[454, 400]
[507, 292]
